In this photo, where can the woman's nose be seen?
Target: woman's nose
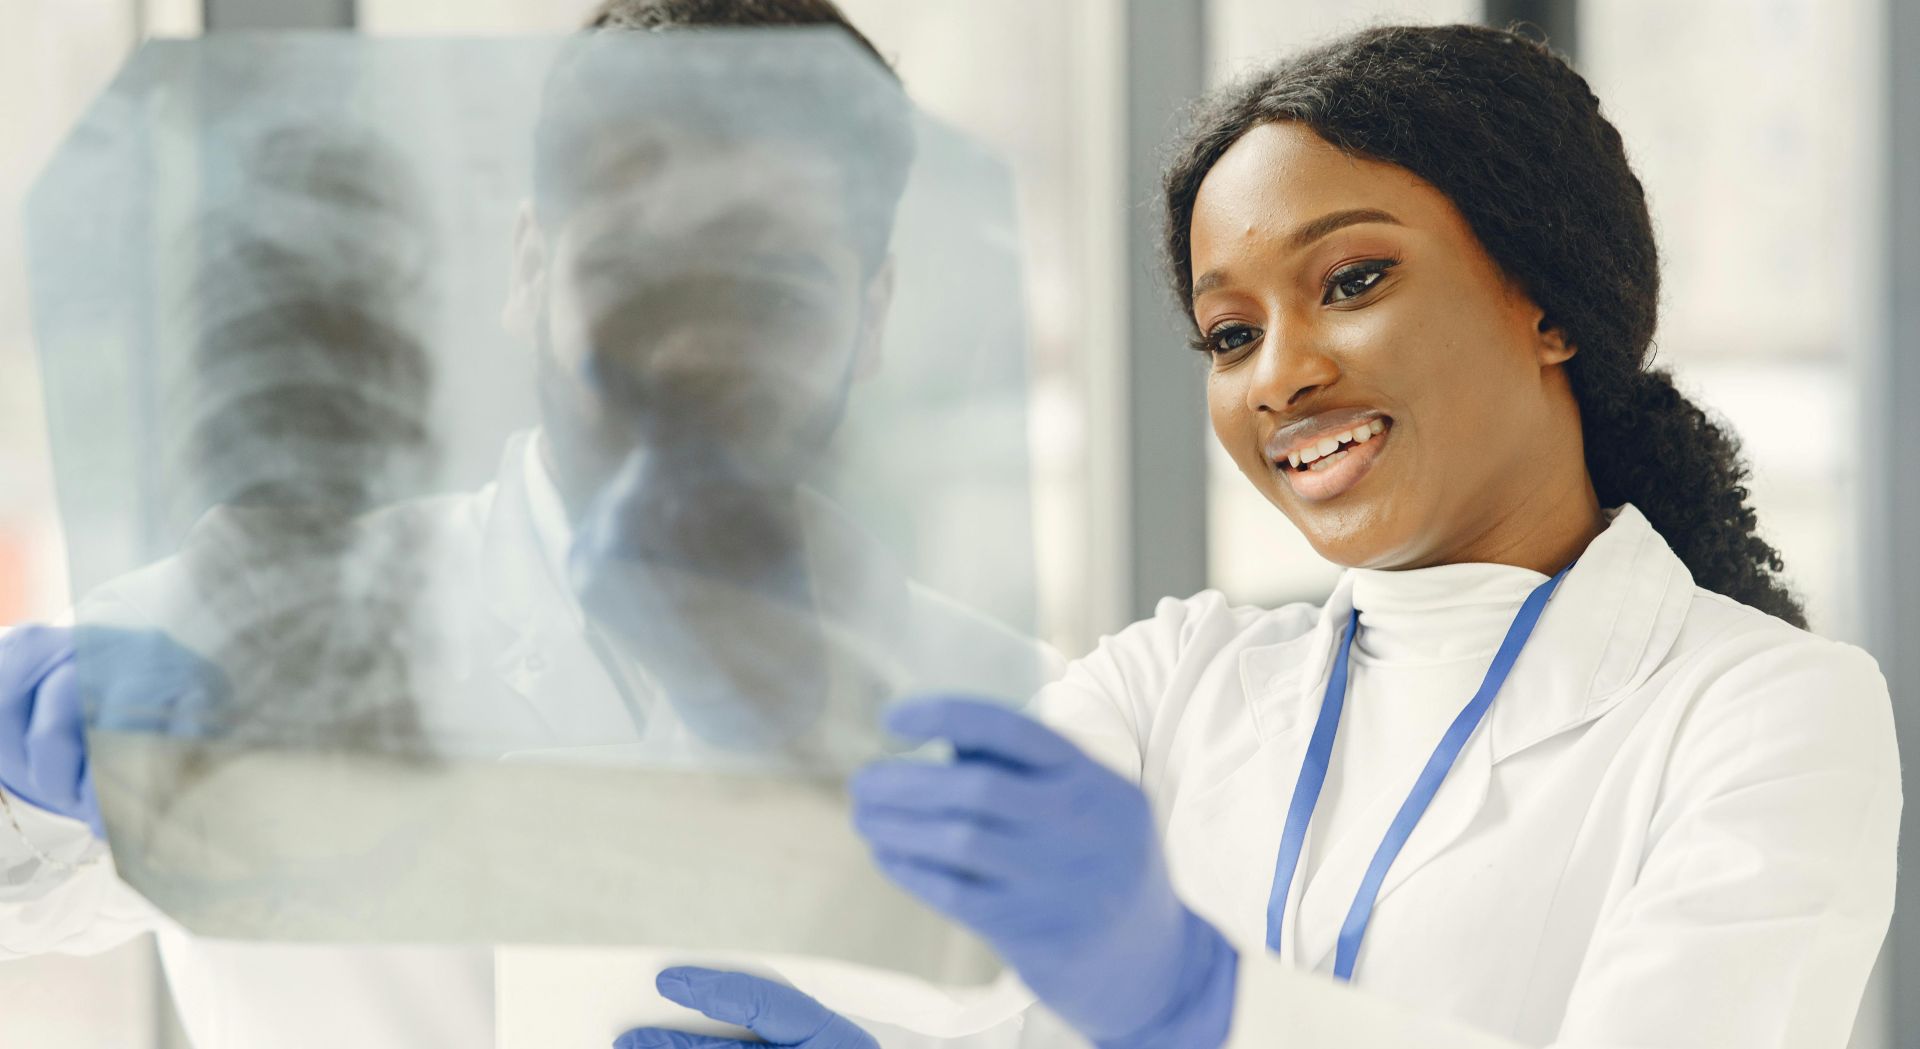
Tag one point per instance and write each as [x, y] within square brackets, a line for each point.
[1286, 368]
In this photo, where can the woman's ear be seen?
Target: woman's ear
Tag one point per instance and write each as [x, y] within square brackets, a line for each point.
[1552, 346]
[527, 283]
[875, 303]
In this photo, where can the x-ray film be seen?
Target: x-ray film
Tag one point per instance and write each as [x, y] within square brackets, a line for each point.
[507, 479]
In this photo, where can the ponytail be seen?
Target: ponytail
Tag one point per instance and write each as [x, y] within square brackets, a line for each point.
[1648, 445]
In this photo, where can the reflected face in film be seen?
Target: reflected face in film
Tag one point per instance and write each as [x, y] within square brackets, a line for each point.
[706, 309]
[710, 296]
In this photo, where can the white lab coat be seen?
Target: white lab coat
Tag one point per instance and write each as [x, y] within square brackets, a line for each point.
[1675, 829]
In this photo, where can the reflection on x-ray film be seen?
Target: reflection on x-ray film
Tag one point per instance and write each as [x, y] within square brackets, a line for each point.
[753, 423]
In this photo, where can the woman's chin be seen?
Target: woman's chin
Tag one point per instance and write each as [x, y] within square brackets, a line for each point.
[1350, 537]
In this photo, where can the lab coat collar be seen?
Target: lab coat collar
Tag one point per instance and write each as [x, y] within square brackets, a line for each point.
[1605, 631]
[1608, 626]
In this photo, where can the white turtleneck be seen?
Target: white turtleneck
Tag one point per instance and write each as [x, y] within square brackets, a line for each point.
[1426, 639]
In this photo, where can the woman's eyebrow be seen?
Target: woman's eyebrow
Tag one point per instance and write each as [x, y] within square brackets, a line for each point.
[1306, 234]
[1333, 220]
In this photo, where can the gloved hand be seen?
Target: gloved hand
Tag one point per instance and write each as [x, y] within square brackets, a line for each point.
[1055, 861]
[147, 683]
[43, 751]
[779, 1015]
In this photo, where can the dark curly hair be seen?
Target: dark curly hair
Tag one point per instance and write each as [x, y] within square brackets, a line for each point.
[654, 15]
[1514, 137]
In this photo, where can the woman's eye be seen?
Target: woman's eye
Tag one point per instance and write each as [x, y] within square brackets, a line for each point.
[1229, 338]
[1357, 280]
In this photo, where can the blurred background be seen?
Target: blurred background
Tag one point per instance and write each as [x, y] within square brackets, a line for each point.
[1779, 143]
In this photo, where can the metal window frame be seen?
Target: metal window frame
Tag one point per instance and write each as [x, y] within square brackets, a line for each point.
[225, 15]
[1890, 511]
[1164, 482]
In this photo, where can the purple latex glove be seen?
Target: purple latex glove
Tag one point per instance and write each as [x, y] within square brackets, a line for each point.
[43, 748]
[1055, 861]
[779, 1014]
[144, 680]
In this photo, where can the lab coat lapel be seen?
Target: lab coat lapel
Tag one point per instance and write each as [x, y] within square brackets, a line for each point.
[533, 636]
[1607, 627]
[1231, 826]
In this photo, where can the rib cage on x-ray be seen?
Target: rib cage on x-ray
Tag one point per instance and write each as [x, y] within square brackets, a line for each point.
[306, 406]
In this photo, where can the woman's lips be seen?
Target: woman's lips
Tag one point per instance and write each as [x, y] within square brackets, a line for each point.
[1348, 466]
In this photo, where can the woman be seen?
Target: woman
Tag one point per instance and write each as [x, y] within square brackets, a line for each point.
[1424, 280]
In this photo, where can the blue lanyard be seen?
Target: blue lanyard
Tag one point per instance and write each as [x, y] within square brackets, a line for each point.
[1313, 773]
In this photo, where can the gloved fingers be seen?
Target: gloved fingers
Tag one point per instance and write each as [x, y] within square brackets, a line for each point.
[842, 1033]
[954, 893]
[773, 1011]
[148, 682]
[16, 710]
[985, 729]
[27, 655]
[130, 692]
[54, 743]
[956, 843]
[985, 791]
[660, 1038]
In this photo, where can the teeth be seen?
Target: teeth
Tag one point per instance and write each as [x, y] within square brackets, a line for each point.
[1319, 455]
[1327, 463]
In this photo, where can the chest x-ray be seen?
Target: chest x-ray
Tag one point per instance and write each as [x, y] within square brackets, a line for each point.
[507, 479]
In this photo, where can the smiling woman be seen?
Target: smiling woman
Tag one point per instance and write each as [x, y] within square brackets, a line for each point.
[1437, 227]
[1596, 784]
[1336, 290]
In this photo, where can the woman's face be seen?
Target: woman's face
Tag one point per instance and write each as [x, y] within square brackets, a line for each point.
[1344, 299]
